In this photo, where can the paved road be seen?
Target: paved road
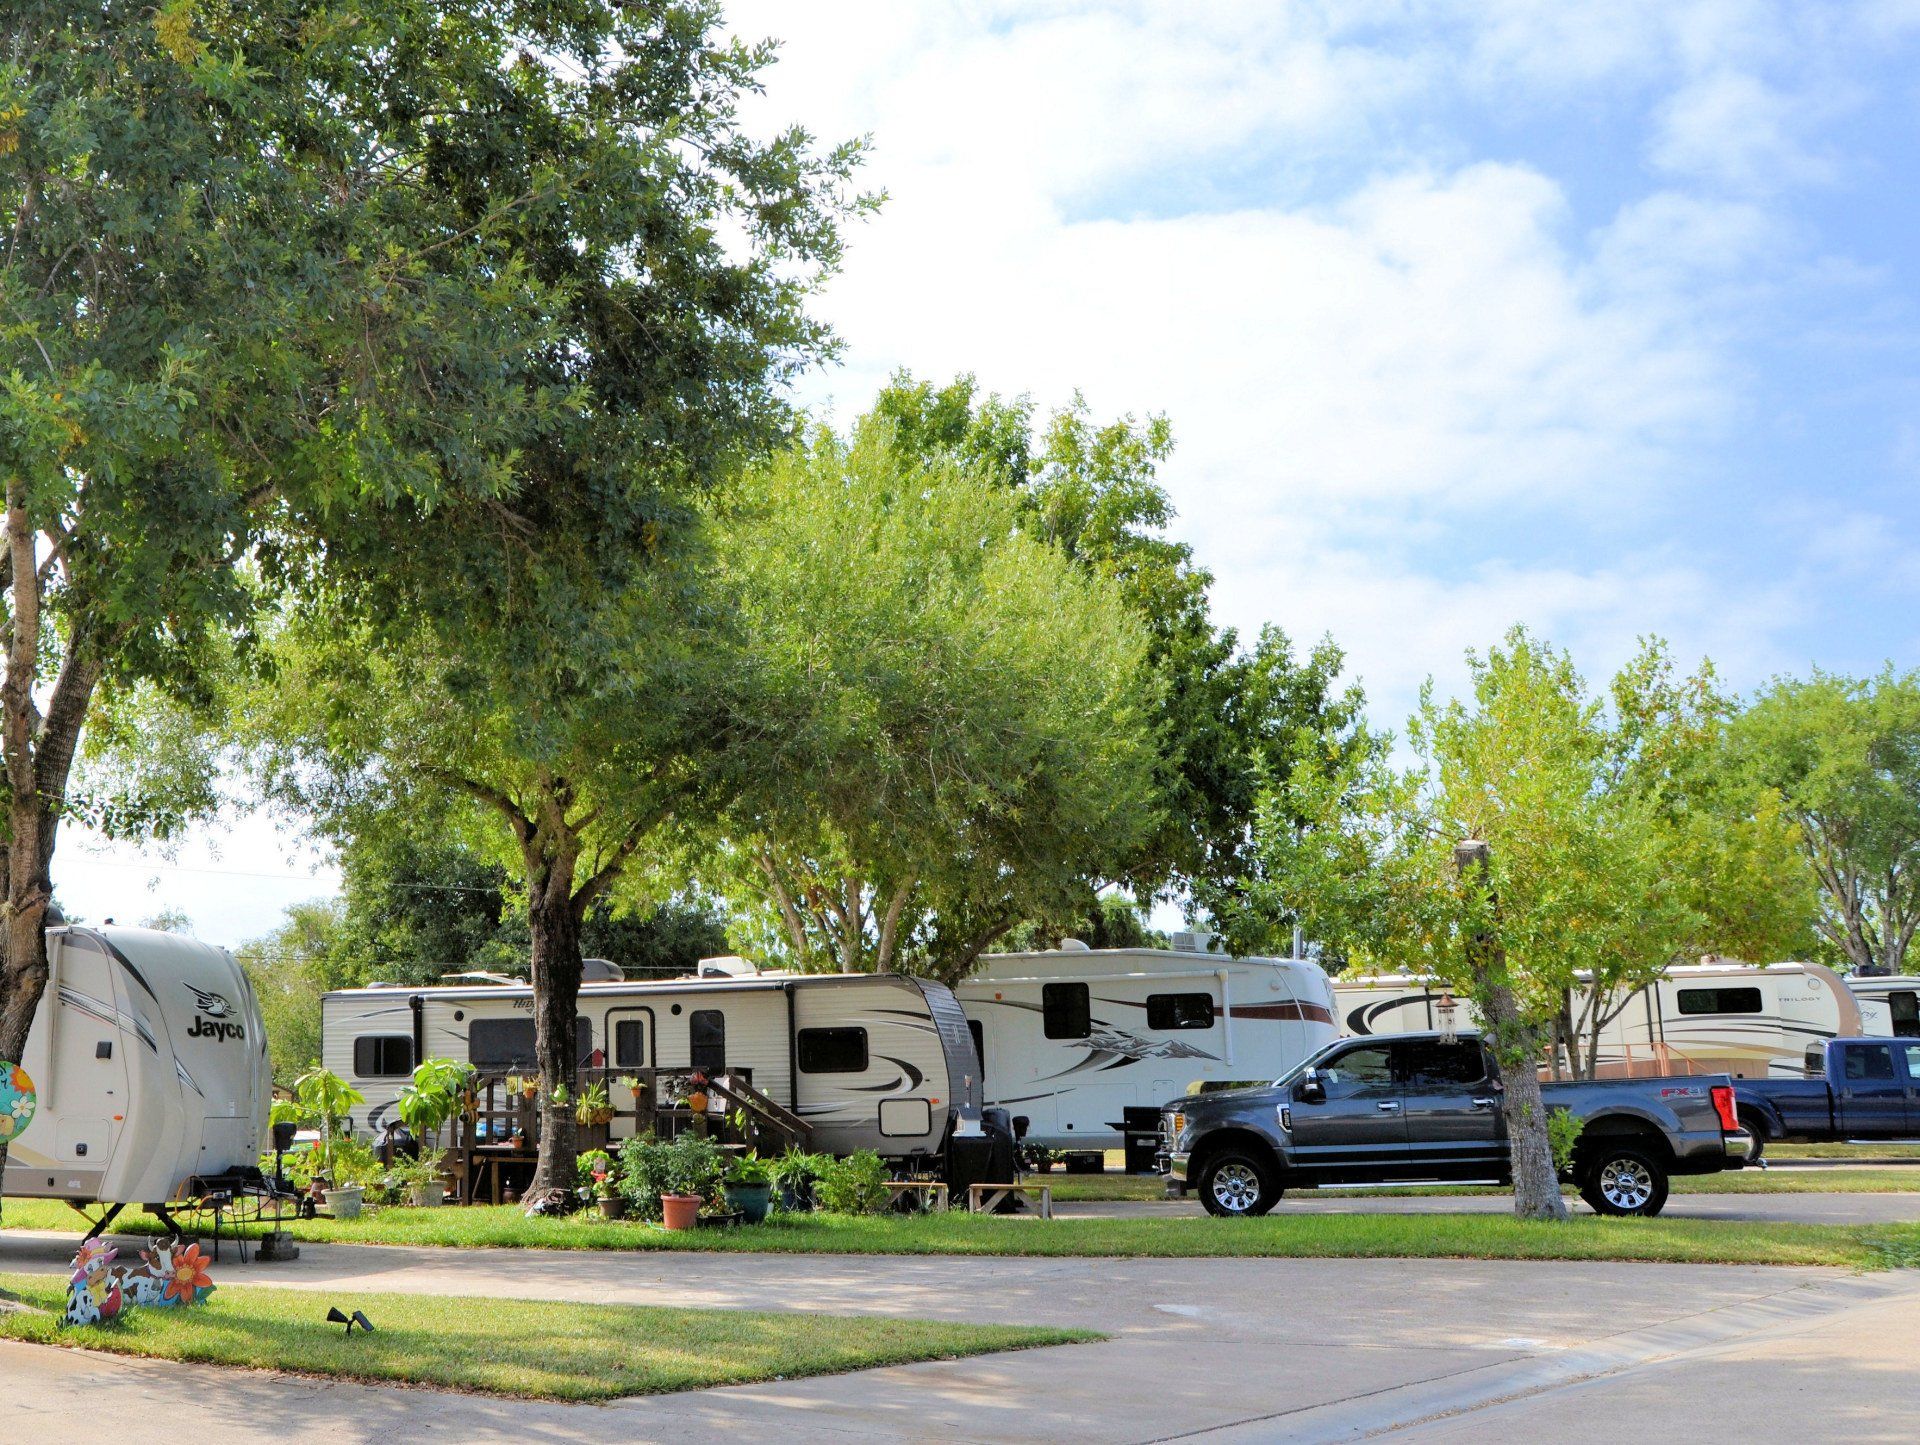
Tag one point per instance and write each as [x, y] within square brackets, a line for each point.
[1228, 1349]
[1795, 1208]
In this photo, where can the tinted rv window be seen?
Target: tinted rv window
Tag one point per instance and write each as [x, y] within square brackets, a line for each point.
[833, 1051]
[1719, 1000]
[1904, 1005]
[1065, 1011]
[630, 1043]
[979, 1046]
[500, 1044]
[707, 1040]
[1179, 1010]
[383, 1056]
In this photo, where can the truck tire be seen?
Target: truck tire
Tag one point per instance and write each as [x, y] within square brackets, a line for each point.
[1624, 1179]
[1756, 1128]
[1238, 1184]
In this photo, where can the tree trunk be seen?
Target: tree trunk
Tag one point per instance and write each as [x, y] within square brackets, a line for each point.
[1515, 1041]
[555, 923]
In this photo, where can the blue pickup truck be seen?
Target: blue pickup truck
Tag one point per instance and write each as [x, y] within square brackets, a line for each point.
[1854, 1089]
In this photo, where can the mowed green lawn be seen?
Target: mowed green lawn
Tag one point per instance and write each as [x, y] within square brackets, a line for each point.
[1444, 1236]
[533, 1349]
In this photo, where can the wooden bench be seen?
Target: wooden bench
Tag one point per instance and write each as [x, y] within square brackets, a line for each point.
[932, 1192]
[989, 1197]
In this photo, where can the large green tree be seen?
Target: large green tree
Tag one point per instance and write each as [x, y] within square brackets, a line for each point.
[248, 330]
[1538, 843]
[952, 718]
[1225, 716]
[1845, 754]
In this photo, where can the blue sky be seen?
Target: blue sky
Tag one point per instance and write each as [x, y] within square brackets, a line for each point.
[1600, 317]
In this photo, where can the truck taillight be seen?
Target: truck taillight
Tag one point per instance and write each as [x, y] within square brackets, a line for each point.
[1723, 1102]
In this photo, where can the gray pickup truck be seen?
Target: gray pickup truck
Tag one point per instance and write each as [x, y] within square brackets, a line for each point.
[1400, 1107]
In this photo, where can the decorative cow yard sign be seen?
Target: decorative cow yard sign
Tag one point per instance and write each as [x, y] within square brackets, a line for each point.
[167, 1275]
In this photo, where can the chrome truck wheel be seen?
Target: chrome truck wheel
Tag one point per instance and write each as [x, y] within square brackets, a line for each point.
[1234, 1184]
[1623, 1180]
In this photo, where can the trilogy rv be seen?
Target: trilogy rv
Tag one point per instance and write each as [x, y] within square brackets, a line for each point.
[1074, 1038]
[870, 1061]
[149, 1063]
[1705, 1018]
[1889, 1004]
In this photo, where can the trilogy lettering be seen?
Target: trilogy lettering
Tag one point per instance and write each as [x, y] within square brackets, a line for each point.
[206, 1028]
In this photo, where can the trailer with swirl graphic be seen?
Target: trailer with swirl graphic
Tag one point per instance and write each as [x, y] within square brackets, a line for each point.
[869, 1061]
[1086, 1044]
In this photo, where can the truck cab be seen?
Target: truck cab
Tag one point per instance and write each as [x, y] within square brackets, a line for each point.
[1854, 1089]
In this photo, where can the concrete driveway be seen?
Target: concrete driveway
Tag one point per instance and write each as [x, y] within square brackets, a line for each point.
[1784, 1208]
[1228, 1348]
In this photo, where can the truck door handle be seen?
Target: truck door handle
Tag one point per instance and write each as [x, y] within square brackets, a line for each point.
[1483, 1103]
[1390, 1107]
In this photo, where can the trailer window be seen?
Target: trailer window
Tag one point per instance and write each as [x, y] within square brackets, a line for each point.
[630, 1043]
[707, 1040]
[496, 1045]
[1720, 1001]
[383, 1056]
[833, 1051]
[1179, 1010]
[1065, 1011]
[1905, 1008]
[979, 1046]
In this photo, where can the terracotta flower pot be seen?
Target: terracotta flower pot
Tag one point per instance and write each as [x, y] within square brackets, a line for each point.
[697, 1102]
[679, 1211]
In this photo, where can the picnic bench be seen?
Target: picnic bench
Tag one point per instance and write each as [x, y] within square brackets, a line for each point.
[990, 1197]
[932, 1192]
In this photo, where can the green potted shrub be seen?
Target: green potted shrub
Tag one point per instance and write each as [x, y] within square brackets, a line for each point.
[749, 1187]
[642, 1174]
[351, 1167]
[854, 1185]
[420, 1179]
[793, 1176]
[593, 1108]
[694, 1165]
[325, 1097]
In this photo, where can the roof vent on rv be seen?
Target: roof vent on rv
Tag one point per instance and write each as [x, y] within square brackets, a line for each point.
[725, 965]
[1074, 945]
[601, 970]
[1196, 943]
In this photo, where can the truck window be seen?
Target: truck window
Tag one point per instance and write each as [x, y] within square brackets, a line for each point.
[1720, 1001]
[833, 1051]
[1179, 1010]
[1869, 1061]
[1913, 1063]
[1065, 1011]
[1438, 1067]
[1360, 1072]
[383, 1056]
[707, 1040]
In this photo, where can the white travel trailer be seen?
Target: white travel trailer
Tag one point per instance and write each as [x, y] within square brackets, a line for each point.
[870, 1061]
[150, 1065]
[1706, 1018]
[1889, 1004]
[1072, 1038]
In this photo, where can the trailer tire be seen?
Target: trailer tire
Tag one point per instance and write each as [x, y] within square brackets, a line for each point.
[1624, 1179]
[1239, 1184]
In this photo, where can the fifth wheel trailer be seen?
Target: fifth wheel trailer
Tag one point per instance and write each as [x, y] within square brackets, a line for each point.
[1071, 1038]
[1746, 1020]
[149, 1061]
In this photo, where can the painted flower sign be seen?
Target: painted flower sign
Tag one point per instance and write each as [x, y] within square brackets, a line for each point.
[100, 1289]
[17, 1101]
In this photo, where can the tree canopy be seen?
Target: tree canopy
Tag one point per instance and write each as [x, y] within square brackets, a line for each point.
[953, 717]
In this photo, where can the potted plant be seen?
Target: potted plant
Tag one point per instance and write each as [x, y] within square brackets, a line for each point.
[749, 1188]
[322, 1095]
[696, 1096]
[606, 1194]
[694, 1165]
[421, 1180]
[642, 1174]
[530, 1085]
[594, 1108]
[350, 1167]
[793, 1175]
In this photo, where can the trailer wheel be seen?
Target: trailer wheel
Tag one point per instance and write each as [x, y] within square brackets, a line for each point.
[1237, 1184]
[1622, 1179]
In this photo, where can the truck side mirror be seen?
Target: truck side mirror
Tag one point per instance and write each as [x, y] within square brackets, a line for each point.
[1311, 1089]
